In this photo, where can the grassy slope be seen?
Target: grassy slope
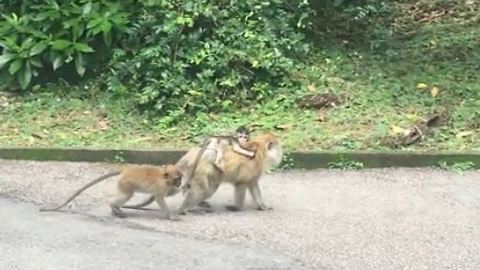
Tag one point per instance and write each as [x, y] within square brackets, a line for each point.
[381, 97]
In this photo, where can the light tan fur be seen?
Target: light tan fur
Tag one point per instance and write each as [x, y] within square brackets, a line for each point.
[241, 171]
[213, 150]
[160, 182]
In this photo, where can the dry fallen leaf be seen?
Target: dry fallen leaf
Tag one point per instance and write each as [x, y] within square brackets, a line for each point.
[283, 127]
[102, 125]
[397, 130]
[321, 117]
[421, 86]
[31, 140]
[213, 116]
[434, 91]
[37, 136]
[412, 116]
[466, 133]
[311, 88]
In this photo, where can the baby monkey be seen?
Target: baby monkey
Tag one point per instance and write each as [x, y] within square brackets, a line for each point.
[160, 182]
[238, 142]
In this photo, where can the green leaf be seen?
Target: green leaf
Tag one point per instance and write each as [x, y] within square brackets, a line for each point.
[95, 22]
[107, 33]
[9, 43]
[15, 66]
[87, 8]
[37, 48]
[106, 27]
[68, 59]
[54, 4]
[36, 63]
[57, 62]
[337, 3]
[80, 64]
[25, 76]
[27, 43]
[5, 58]
[77, 30]
[60, 44]
[82, 47]
[107, 37]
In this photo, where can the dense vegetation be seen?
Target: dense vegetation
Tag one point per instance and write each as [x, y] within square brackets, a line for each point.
[158, 72]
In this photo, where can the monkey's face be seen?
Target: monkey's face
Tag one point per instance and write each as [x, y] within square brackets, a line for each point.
[173, 175]
[273, 150]
[242, 137]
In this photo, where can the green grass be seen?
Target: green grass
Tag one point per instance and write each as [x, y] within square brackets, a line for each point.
[459, 167]
[379, 86]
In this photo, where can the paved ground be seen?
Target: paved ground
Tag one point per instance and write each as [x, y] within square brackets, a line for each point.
[371, 219]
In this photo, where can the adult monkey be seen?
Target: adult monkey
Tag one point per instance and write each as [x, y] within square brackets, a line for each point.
[241, 171]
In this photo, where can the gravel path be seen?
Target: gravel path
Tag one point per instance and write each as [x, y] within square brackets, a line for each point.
[370, 219]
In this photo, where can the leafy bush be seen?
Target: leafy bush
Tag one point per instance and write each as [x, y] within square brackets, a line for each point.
[37, 33]
[175, 57]
[202, 56]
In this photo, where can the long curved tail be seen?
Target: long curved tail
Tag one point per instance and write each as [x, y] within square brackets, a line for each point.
[93, 182]
[186, 186]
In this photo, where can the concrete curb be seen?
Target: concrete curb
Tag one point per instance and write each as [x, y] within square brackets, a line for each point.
[305, 160]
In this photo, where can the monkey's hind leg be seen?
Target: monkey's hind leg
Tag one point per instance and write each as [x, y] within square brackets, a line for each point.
[219, 160]
[239, 198]
[141, 205]
[193, 198]
[205, 204]
[119, 201]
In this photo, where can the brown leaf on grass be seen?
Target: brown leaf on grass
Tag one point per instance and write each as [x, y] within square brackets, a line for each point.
[321, 116]
[465, 133]
[434, 91]
[311, 88]
[256, 125]
[103, 124]
[37, 136]
[213, 116]
[422, 86]
[283, 127]
[318, 101]
[398, 130]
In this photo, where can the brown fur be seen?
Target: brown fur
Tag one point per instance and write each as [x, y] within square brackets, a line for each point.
[243, 172]
[160, 182]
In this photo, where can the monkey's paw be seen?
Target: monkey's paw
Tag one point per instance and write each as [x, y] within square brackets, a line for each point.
[264, 208]
[233, 208]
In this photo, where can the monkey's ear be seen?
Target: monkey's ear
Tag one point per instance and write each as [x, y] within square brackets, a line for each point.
[269, 145]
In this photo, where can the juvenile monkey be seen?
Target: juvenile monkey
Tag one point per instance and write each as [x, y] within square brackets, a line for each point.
[238, 143]
[160, 182]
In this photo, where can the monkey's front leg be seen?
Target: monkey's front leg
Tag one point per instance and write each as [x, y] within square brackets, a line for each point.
[254, 190]
[164, 206]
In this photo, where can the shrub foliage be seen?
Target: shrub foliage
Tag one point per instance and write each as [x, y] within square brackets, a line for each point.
[172, 57]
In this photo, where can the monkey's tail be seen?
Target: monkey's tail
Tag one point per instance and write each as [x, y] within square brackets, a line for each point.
[93, 182]
[195, 165]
